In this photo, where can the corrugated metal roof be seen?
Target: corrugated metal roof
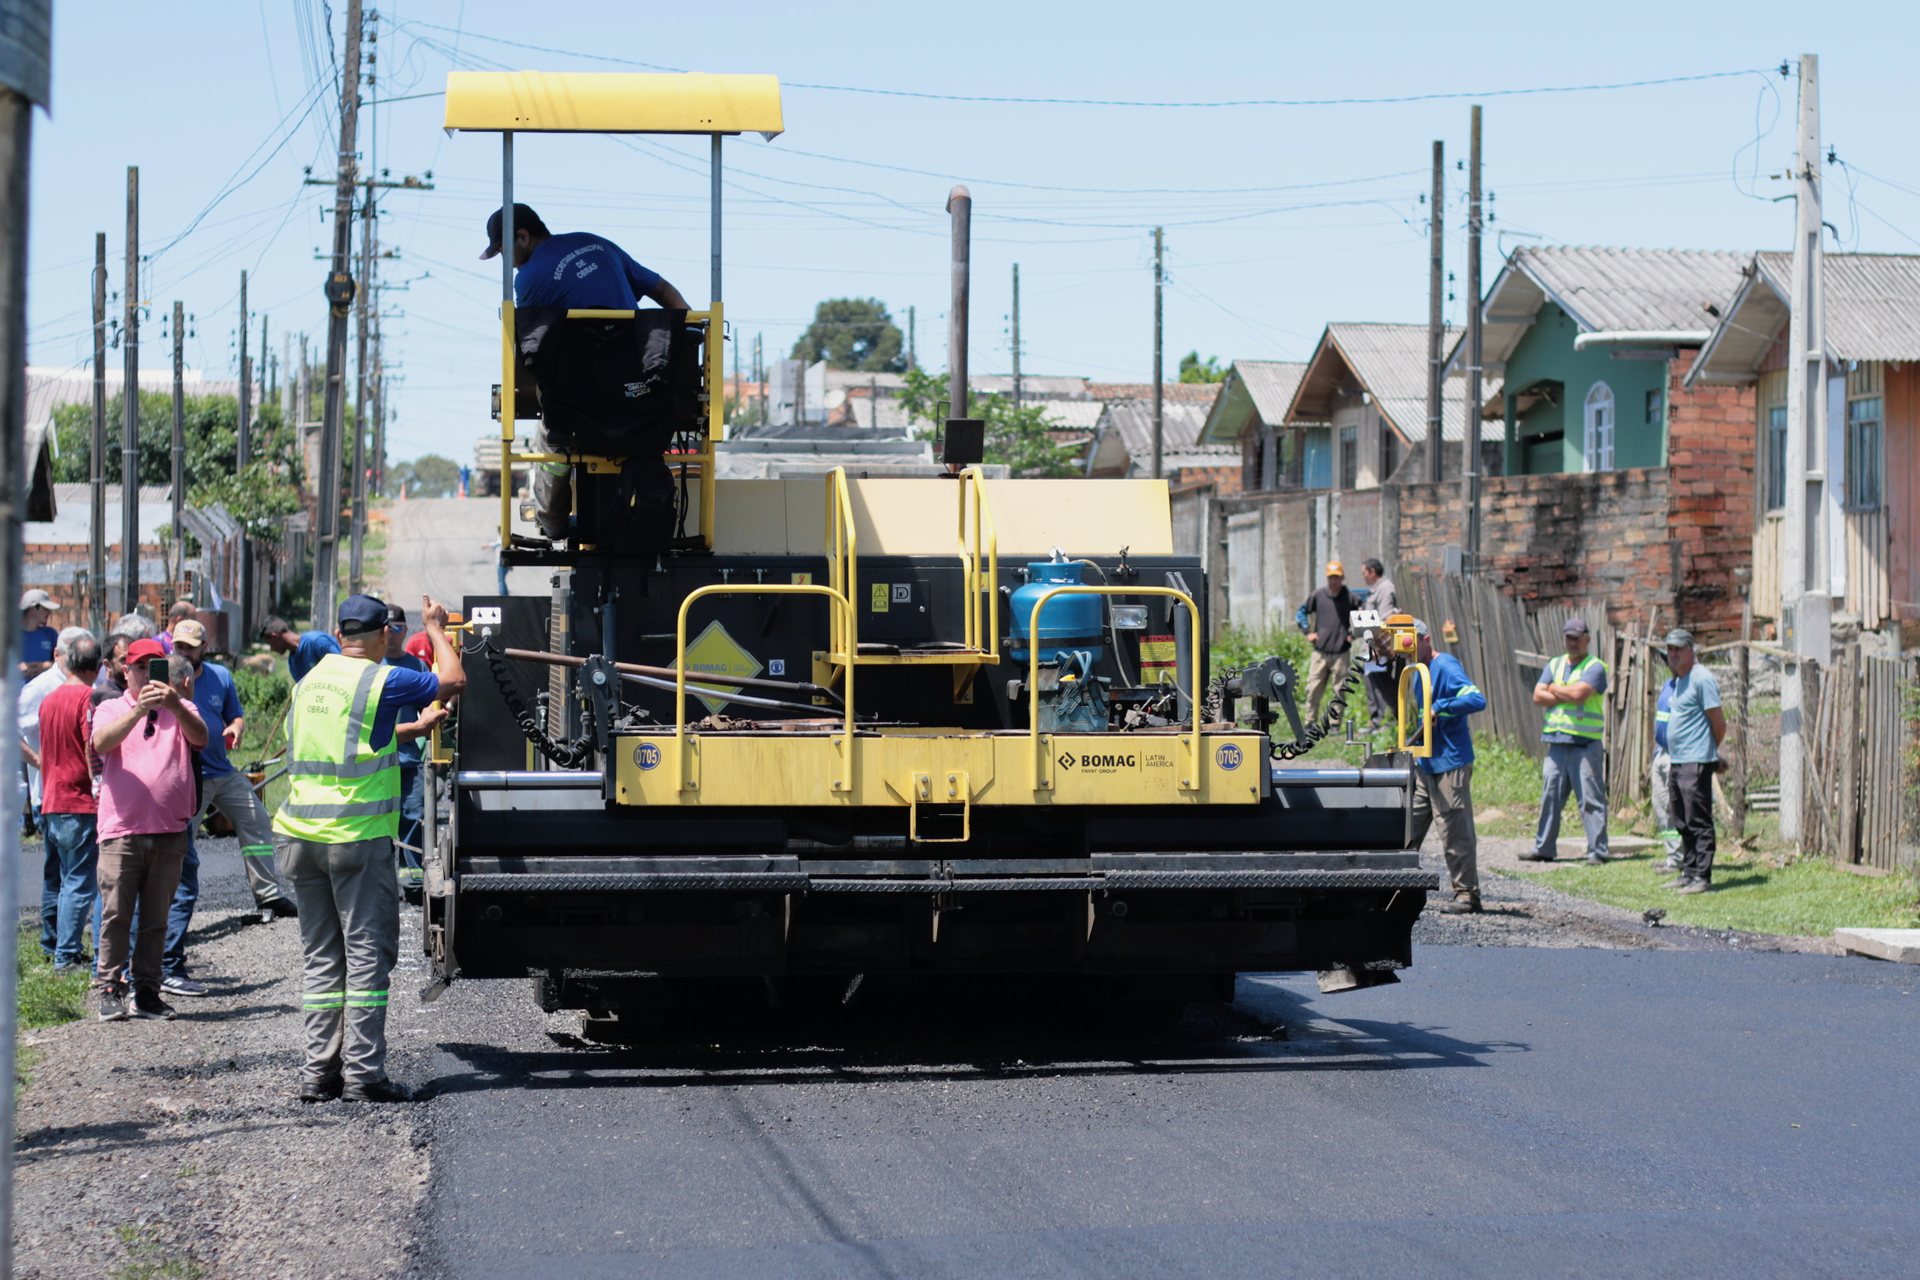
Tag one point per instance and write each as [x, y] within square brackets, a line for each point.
[73, 522]
[1192, 392]
[1873, 302]
[1074, 415]
[1271, 383]
[1389, 361]
[1033, 386]
[1132, 421]
[1607, 290]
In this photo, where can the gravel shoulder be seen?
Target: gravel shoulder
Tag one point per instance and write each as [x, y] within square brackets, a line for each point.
[144, 1145]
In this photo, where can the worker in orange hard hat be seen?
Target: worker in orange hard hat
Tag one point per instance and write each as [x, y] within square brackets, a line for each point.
[1329, 619]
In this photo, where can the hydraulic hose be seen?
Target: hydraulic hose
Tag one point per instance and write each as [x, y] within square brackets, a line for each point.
[1319, 729]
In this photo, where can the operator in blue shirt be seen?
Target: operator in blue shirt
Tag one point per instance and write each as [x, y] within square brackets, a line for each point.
[1443, 782]
[575, 269]
[416, 721]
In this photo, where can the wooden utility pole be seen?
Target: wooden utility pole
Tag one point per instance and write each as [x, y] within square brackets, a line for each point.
[97, 461]
[1016, 335]
[340, 291]
[178, 499]
[1436, 331]
[130, 402]
[1805, 602]
[1470, 437]
[1159, 282]
[24, 77]
[243, 457]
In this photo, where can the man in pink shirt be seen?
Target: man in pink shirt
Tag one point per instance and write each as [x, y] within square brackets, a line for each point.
[145, 739]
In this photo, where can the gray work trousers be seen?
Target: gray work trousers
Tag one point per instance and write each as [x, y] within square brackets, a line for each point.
[1449, 797]
[232, 794]
[349, 907]
[1570, 767]
[1663, 817]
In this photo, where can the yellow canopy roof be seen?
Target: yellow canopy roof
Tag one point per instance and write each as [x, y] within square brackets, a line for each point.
[612, 102]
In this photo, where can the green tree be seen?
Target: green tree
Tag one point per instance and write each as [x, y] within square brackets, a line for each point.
[1194, 369]
[268, 489]
[428, 476]
[853, 333]
[1016, 435]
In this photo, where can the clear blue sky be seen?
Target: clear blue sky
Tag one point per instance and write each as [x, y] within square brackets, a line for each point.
[1323, 222]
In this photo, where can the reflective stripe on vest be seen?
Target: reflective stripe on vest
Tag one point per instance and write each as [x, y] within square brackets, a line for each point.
[1584, 719]
[342, 790]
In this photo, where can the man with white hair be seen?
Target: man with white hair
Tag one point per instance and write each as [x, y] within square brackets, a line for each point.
[31, 696]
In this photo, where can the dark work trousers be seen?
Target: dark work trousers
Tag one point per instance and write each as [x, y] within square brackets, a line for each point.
[1690, 808]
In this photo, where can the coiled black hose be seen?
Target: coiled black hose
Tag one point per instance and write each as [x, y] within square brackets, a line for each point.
[568, 755]
[1336, 711]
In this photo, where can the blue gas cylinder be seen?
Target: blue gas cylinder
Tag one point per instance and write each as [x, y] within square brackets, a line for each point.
[1067, 622]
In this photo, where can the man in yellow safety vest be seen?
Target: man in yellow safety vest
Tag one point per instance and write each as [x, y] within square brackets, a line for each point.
[334, 836]
[1571, 690]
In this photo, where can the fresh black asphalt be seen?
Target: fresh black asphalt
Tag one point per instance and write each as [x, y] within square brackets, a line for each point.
[1503, 1111]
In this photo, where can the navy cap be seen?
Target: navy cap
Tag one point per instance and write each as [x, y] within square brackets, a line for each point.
[1575, 627]
[360, 614]
[524, 219]
[396, 617]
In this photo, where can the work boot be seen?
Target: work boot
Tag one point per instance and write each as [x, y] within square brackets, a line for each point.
[148, 1004]
[1678, 882]
[1695, 886]
[1461, 904]
[376, 1091]
[1595, 860]
[319, 1090]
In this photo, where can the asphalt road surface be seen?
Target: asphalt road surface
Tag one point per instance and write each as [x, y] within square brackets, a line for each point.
[1504, 1110]
[449, 547]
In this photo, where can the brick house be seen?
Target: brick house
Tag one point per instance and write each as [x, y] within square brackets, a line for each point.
[1872, 500]
[1624, 483]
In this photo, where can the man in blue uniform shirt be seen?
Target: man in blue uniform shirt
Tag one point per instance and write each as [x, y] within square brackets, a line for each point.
[303, 651]
[575, 269]
[1443, 782]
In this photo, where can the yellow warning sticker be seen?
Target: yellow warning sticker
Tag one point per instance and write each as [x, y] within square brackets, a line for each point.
[801, 579]
[716, 652]
[882, 596]
[1159, 660]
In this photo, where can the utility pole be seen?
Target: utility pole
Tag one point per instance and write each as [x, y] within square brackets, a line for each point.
[130, 402]
[739, 388]
[97, 460]
[1805, 605]
[24, 76]
[339, 293]
[358, 530]
[1470, 440]
[1436, 332]
[913, 360]
[1159, 363]
[178, 569]
[243, 456]
[1016, 335]
[960, 282]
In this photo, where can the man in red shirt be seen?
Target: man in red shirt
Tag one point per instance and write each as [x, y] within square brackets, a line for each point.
[145, 740]
[68, 809]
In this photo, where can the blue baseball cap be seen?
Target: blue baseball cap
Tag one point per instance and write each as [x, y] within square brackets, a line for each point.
[360, 614]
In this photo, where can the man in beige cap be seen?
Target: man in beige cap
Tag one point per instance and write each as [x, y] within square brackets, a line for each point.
[37, 639]
[1329, 617]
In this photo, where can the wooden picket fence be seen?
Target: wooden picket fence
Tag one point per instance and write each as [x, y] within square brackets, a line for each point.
[1863, 760]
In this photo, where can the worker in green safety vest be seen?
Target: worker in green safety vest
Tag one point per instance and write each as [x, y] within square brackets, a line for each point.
[1571, 691]
[334, 835]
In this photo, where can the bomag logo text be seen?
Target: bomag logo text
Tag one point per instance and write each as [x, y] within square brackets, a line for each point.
[1107, 762]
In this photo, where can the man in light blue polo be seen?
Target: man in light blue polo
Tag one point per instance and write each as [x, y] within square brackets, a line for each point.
[1695, 729]
[1571, 691]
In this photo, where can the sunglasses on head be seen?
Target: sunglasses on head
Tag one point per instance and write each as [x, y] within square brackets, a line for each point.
[153, 718]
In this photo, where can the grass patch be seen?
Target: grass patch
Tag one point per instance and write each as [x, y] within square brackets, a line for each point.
[1751, 892]
[148, 1259]
[44, 998]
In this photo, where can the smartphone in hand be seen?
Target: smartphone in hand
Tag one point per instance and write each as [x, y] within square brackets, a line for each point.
[157, 669]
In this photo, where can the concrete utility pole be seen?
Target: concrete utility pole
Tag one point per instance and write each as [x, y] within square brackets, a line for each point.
[97, 450]
[243, 457]
[1016, 335]
[1805, 606]
[1159, 363]
[357, 531]
[25, 37]
[1436, 295]
[960, 209]
[178, 569]
[1470, 441]
[340, 291]
[130, 402]
[913, 359]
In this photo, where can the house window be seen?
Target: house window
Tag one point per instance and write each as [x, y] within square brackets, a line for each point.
[1863, 454]
[1653, 407]
[1389, 453]
[1349, 457]
[1776, 457]
[1599, 441]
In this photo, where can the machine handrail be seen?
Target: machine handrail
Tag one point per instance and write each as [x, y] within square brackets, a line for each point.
[985, 536]
[1423, 749]
[843, 552]
[713, 317]
[841, 607]
[1190, 782]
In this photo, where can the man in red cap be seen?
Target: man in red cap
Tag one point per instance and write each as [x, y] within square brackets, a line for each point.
[145, 739]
